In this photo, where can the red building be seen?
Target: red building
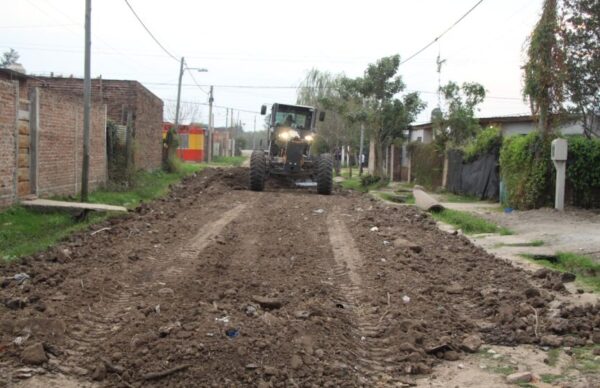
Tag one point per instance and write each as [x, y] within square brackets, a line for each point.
[191, 142]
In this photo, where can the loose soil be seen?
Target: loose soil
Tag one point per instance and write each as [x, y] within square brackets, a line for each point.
[218, 286]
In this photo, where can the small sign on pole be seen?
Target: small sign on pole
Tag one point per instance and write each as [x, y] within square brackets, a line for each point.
[558, 155]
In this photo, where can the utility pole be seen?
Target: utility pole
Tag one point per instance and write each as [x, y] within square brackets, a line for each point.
[178, 96]
[210, 125]
[360, 151]
[87, 102]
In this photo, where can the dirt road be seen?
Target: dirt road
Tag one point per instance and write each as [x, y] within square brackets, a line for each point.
[218, 286]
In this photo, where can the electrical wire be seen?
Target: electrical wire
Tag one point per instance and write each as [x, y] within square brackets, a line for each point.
[150, 33]
[442, 34]
[214, 106]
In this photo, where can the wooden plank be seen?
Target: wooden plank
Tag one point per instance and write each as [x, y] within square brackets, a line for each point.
[24, 101]
[23, 129]
[23, 174]
[47, 203]
[23, 141]
[23, 159]
[24, 189]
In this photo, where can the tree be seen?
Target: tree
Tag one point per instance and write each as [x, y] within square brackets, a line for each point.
[580, 36]
[387, 115]
[188, 112]
[326, 92]
[458, 124]
[9, 57]
[544, 71]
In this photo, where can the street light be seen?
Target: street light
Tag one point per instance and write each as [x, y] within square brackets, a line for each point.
[181, 69]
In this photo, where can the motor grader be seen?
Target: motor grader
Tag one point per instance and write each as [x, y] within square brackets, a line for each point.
[290, 133]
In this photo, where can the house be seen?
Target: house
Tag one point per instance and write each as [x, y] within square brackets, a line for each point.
[41, 140]
[510, 125]
[191, 142]
[41, 132]
[129, 104]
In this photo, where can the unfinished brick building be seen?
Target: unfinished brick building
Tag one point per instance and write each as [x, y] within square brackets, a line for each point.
[41, 132]
[41, 138]
[123, 99]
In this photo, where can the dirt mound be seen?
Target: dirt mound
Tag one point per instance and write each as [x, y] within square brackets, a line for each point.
[215, 285]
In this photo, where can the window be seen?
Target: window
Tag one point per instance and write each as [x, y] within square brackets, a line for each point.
[184, 141]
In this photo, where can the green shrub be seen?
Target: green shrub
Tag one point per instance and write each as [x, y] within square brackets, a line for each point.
[368, 180]
[527, 171]
[487, 141]
[583, 170]
[427, 164]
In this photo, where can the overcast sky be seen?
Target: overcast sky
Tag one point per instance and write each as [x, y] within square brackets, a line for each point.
[274, 43]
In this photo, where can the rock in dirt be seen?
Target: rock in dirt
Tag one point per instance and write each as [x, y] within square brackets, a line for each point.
[166, 292]
[270, 371]
[302, 314]
[471, 344]
[16, 303]
[551, 340]
[454, 289]
[567, 277]
[99, 373]
[532, 293]
[34, 354]
[403, 243]
[451, 355]
[296, 362]
[520, 377]
[267, 302]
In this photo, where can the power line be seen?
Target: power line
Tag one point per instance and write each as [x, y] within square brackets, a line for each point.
[442, 34]
[311, 87]
[196, 82]
[150, 33]
[214, 106]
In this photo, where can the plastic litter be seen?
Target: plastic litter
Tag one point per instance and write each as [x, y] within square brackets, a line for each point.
[374, 229]
[319, 211]
[406, 299]
[21, 277]
[232, 333]
[224, 319]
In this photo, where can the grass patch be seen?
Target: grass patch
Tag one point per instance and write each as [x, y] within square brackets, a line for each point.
[147, 186]
[396, 198]
[355, 183]
[550, 378]
[234, 161]
[469, 223]
[24, 231]
[504, 369]
[586, 270]
[553, 355]
[585, 360]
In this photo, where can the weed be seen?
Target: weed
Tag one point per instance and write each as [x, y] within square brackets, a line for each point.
[469, 223]
[586, 270]
[235, 161]
[24, 231]
[553, 355]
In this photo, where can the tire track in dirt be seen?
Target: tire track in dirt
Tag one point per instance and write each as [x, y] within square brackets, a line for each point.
[375, 360]
[115, 306]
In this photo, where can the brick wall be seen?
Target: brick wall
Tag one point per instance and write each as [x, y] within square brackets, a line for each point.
[61, 143]
[8, 108]
[122, 96]
[148, 130]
